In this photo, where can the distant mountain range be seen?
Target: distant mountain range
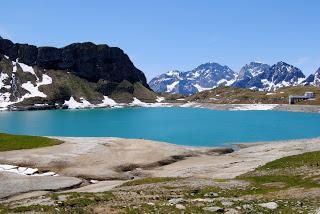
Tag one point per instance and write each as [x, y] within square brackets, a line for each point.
[255, 76]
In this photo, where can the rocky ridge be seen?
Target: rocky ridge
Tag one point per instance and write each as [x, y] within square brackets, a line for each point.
[255, 75]
[78, 75]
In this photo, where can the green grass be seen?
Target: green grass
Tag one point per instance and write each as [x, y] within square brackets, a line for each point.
[307, 159]
[15, 142]
[149, 181]
[288, 180]
[290, 171]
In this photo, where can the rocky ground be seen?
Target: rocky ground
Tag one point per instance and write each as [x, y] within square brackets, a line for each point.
[111, 175]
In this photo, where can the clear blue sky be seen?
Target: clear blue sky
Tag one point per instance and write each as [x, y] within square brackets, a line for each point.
[175, 34]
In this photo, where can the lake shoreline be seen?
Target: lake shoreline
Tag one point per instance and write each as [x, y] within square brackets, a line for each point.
[85, 159]
[230, 107]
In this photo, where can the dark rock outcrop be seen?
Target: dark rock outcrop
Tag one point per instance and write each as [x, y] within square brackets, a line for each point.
[86, 60]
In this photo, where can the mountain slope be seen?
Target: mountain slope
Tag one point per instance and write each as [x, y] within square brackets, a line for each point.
[263, 77]
[250, 75]
[85, 73]
[87, 60]
[255, 76]
[203, 77]
[313, 79]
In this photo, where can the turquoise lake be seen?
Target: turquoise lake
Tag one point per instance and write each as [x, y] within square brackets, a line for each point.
[184, 126]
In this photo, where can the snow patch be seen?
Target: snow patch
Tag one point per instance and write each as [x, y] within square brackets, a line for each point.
[186, 105]
[270, 93]
[107, 102]
[137, 102]
[171, 86]
[27, 68]
[254, 107]
[200, 88]
[34, 90]
[3, 77]
[160, 99]
[173, 73]
[24, 170]
[73, 104]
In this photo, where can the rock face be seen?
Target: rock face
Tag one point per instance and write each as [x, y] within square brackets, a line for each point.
[203, 77]
[313, 79]
[79, 75]
[250, 75]
[263, 77]
[87, 60]
[255, 75]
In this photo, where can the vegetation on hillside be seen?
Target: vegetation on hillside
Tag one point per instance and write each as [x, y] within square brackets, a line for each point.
[231, 95]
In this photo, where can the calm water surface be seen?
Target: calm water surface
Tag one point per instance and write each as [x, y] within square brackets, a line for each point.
[185, 126]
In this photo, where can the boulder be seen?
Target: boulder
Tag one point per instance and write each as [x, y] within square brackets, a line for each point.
[269, 205]
[214, 209]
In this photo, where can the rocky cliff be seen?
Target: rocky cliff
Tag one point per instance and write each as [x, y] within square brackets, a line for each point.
[87, 60]
[82, 73]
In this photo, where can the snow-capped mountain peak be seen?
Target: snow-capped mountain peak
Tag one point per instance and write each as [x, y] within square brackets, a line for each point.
[173, 73]
[255, 75]
[312, 79]
[204, 77]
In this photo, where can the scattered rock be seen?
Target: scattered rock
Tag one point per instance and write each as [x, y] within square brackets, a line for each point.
[211, 195]
[207, 200]
[227, 203]
[247, 207]
[269, 205]
[180, 207]
[174, 201]
[213, 209]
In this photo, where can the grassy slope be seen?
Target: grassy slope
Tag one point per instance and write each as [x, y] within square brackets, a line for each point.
[224, 95]
[15, 142]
